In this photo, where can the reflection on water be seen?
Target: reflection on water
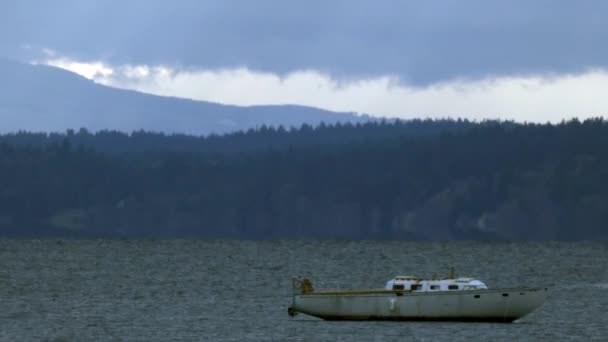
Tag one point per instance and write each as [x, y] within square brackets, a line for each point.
[111, 290]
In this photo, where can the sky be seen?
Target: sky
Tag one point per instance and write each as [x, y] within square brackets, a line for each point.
[524, 60]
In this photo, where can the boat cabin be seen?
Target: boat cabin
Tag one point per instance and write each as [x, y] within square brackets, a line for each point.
[410, 283]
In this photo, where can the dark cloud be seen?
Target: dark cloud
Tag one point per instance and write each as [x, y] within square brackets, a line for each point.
[421, 41]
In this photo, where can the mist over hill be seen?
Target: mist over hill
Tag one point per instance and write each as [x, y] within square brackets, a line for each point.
[48, 99]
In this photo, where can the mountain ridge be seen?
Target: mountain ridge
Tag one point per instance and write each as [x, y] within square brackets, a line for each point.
[46, 98]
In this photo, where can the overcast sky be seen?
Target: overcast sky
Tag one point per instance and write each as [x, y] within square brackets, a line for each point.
[527, 60]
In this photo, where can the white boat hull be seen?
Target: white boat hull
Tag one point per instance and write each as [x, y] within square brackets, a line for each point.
[497, 305]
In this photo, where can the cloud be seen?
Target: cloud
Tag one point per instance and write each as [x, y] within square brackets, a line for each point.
[94, 70]
[537, 98]
[418, 42]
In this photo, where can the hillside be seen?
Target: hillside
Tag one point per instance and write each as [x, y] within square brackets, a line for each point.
[48, 99]
[499, 181]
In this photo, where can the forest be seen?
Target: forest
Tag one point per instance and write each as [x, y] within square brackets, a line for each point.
[418, 179]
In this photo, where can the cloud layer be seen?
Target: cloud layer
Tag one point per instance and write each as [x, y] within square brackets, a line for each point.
[529, 98]
[526, 60]
[419, 42]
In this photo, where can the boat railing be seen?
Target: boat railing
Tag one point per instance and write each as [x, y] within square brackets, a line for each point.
[329, 285]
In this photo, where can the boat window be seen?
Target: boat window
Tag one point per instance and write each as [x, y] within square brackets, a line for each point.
[398, 287]
[416, 287]
[452, 287]
[476, 296]
[505, 295]
[434, 287]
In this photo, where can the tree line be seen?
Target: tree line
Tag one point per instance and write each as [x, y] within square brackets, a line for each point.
[422, 179]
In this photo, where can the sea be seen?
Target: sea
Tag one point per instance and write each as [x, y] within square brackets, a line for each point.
[228, 290]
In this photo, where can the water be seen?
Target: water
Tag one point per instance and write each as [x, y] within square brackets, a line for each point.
[239, 290]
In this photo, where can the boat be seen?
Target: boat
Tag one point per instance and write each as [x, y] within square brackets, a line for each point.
[409, 298]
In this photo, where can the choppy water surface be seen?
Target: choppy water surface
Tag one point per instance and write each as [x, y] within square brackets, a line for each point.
[239, 290]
